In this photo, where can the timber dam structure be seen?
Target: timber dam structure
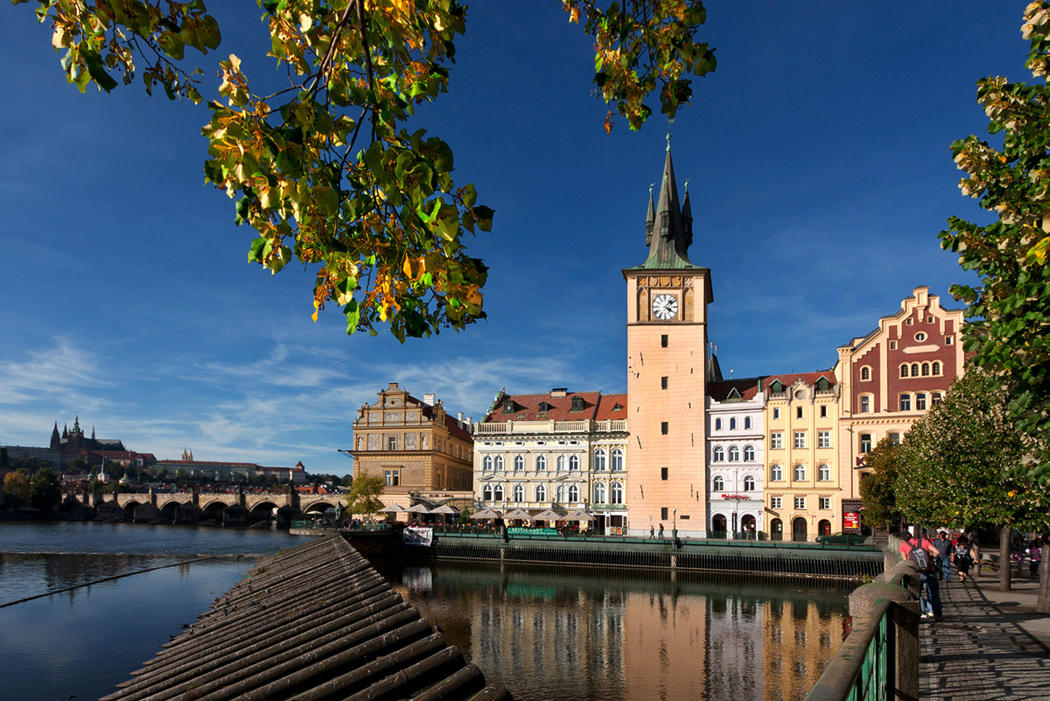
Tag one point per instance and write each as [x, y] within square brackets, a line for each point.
[314, 623]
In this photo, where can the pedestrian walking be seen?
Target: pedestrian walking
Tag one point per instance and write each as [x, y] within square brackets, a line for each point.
[661, 531]
[922, 553]
[963, 557]
[1035, 555]
[944, 556]
[652, 532]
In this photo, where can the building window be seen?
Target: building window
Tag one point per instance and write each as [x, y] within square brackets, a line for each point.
[718, 485]
[776, 473]
[663, 427]
[486, 493]
[599, 493]
[519, 492]
[559, 494]
[895, 438]
[800, 473]
[800, 439]
[824, 472]
[574, 463]
[616, 493]
[935, 399]
[749, 453]
[663, 383]
[936, 368]
[747, 423]
[823, 411]
[914, 369]
[732, 423]
[865, 404]
[486, 463]
[718, 455]
[920, 337]
[718, 424]
[865, 442]
[865, 373]
[519, 463]
[749, 484]
[823, 439]
[663, 513]
[541, 463]
[599, 460]
[392, 478]
[541, 492]
[499, 463]
[391, 443]
[734, 454]
[663, 473]
[798, 412]
[925, 369]
[776, 440]
[663, 341]
[776, 412]
[824, 503]
[776, 502]
[562, 462]
[905, 402]
[904, 370]
[893, 345]
[920, 401]
[617, 459]
[574, 493]
[800, 502]
[908, 322]
[949, 340]
[497, 492]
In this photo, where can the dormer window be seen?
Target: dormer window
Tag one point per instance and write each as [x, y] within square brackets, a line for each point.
[577, 403]
[508, 406]
[777, 387]
[545, 407]
[822, 384]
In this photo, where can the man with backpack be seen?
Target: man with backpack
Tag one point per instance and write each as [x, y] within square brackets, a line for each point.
[922, 553]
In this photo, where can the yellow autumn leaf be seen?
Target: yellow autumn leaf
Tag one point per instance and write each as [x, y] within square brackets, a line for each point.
[317, 307]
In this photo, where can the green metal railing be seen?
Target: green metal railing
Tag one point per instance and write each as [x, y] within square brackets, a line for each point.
[864, 669]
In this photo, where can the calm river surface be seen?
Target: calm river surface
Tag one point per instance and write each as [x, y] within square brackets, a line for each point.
[545, 633]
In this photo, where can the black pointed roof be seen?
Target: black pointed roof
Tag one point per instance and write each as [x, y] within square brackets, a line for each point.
[669, 228]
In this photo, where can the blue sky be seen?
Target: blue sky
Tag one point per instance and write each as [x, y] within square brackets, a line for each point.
[819, 166]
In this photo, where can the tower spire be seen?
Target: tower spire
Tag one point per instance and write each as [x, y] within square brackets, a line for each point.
[667, 224]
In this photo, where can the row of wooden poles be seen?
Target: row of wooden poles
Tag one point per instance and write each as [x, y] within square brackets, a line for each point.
[313, 623]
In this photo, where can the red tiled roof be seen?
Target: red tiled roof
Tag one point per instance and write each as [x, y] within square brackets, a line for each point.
[791, 379]
[746, 387]
[611, 407]
[544, 407]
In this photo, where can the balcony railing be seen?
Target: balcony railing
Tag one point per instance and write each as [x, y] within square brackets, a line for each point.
[588, 426]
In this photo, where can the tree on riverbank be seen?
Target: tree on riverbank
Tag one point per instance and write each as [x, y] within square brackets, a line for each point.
[363, 498]
[16, 489]
[45, 492]
[878, 489]
[321, 162]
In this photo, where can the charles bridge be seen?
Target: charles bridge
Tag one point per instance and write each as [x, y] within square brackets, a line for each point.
[234, 508]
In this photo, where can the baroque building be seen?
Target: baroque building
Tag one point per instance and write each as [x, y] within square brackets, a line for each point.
[415, 446]
[736, 453]
[891, 378]
[562, 451]
[802, 484]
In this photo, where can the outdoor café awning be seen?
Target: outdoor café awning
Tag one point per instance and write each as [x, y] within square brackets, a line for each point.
[549, 515]
[392, 509]
[444, 509]
[518, 514]
[486, 514]
[417, 509]
[578, 515]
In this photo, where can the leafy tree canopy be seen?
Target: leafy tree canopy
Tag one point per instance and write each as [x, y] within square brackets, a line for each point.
[16, 487]
[878, 488]
[364, 495]
[1010, 308]
[44, 490]
[324, 169]
[957, 465]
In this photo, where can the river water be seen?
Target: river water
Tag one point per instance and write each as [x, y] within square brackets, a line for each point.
[543, 632]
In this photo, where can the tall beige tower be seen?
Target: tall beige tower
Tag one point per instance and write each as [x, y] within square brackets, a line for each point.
[667, 298]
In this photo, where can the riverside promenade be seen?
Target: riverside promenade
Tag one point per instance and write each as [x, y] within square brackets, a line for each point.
[990, 645]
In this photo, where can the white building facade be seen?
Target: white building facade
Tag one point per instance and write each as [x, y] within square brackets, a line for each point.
[735, 459]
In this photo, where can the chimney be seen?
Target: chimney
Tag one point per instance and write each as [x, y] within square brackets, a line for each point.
[559, 391]
[429, 399]
[459, 419]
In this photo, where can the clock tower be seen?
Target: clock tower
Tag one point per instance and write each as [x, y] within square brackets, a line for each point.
[667, 298]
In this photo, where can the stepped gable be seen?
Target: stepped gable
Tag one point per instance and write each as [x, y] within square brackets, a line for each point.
[315, 622]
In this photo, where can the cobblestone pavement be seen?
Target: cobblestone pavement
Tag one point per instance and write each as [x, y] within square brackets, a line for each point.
[990, 645]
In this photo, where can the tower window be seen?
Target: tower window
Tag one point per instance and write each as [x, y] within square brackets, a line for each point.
[663, 427]
[663, 383]
[663, 340]
[663, 473]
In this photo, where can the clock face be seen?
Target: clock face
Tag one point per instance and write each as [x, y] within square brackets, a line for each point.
[665, 307]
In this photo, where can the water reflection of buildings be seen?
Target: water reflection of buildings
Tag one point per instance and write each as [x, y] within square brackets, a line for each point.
[567, 636]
